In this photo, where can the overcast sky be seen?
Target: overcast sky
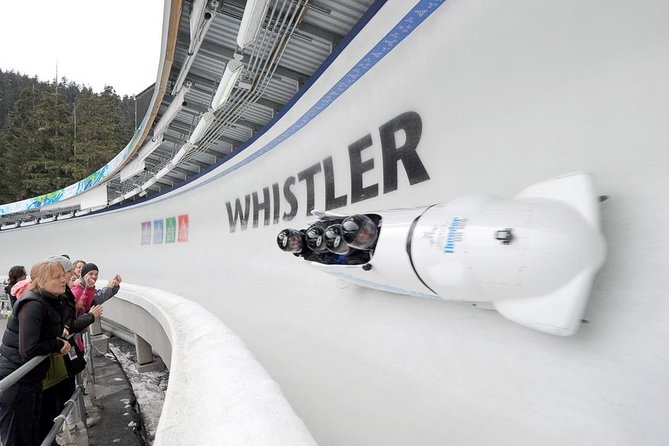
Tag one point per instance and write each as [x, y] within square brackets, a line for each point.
[93, 42]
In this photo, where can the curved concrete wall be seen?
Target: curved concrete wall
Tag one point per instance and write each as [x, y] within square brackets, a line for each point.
[507, 94]
[218, 393]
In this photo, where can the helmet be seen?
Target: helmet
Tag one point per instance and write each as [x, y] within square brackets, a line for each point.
[315, 240]
[290, 240]
[334, 241]
[359, 231]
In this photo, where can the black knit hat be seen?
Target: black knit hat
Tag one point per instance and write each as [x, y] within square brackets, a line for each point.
[88, 268]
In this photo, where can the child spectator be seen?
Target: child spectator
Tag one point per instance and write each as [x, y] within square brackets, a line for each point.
[16, 274]
[85, 292]
[78, 264]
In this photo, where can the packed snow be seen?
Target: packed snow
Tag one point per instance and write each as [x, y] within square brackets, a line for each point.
[149, 389]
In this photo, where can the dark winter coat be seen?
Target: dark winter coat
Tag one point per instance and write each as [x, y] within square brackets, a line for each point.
[8, 292]
[73, 323]
[36, 322]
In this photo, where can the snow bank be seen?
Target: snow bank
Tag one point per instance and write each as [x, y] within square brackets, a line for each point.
[218, 393]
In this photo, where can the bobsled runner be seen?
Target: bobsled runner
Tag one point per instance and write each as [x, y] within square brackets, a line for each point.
[532, 258]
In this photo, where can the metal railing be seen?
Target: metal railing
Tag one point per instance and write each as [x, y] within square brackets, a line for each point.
[60, 419]
[19, 373]
[5, 304]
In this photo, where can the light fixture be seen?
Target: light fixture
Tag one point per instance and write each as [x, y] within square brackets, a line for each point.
[149, 147]
[200, 20]
[254, 13]
[47, 219]
[149, 183]
[65, 216]
[201, 127]
[132, 193]
[165, 170]
[232, 71]
[81, 212]
[171, 112]
[9, 226]
[132, 169]
[181, 153]
[198, 17]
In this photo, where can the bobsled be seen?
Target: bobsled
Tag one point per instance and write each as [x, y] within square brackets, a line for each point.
[532, 258]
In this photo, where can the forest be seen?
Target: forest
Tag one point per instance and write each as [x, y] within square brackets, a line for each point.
[53, 134]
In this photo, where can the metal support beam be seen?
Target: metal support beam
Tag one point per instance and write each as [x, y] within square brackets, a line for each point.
[328, 36]
[224, 54]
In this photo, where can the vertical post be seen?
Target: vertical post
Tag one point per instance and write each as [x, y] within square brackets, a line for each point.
[81, 409]
[143, 350]
[96, 327]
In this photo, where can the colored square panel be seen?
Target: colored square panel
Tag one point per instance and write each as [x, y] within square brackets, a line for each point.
[146, 233]
[170, 230]
[157, 231]
[183, 228]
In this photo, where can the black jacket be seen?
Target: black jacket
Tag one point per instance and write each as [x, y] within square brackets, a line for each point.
[8, 292]
[37, 320]
[73, 323]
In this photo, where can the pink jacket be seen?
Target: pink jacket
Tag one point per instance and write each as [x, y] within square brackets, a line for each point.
[20, 287]
[83, 297]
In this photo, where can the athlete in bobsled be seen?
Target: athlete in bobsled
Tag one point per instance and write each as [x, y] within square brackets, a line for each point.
[532, 258]
[333, 240]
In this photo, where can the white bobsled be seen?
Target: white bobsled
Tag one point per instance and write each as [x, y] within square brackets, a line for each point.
[532, 258]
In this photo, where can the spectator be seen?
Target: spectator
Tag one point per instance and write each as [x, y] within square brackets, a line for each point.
[78, 264]
[35, 328]
[21, 287]
[59, 385]
[85, 292]
[16, 274]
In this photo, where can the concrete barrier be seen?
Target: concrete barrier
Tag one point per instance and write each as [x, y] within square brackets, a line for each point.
[218, 393]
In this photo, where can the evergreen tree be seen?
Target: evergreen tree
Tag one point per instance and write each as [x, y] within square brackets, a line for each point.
[54, 135]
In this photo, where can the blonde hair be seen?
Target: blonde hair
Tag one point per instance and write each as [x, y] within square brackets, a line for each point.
[43, 271]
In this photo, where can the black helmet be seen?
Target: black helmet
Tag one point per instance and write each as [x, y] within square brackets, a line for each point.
[359, 231]
[315, 239]
[334, 240]
[290, 240]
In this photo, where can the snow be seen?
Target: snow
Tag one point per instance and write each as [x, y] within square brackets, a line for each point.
[149, 389]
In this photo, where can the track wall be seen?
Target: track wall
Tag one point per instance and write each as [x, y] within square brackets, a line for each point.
[485, 97]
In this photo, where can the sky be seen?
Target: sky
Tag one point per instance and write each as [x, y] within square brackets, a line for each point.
[91, 42]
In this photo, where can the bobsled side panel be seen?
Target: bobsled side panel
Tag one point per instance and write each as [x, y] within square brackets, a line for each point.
[458, 254]
[391, 270]
[391, 263]
[558, 313]
[576, 190]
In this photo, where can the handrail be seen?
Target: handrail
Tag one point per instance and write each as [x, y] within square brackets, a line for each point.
[19, 373]
[60, 419]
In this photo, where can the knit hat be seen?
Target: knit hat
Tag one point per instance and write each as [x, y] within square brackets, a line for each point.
[87, 268]
[63, 261]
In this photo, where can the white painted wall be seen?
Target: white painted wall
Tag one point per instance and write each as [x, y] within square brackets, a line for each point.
[509, 93]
